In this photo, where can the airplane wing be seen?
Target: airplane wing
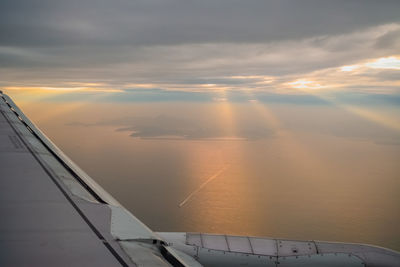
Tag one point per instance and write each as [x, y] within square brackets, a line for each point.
[53, 214]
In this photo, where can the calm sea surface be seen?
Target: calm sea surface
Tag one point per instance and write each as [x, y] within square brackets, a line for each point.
[320, 172]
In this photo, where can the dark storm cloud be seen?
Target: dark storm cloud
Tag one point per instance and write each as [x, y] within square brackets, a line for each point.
[152, 22]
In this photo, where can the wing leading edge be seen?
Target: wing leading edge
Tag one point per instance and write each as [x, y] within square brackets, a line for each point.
[55, 214]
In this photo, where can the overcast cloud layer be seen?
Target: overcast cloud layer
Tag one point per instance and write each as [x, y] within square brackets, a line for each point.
[274, 46]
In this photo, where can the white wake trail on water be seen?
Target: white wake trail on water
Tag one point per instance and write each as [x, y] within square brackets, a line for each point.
[215, 175]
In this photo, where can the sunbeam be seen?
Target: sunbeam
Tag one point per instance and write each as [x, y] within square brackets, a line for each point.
[301, 157]
[374, 116]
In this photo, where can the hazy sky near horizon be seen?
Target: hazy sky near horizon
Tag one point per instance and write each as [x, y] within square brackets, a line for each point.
[279, 47]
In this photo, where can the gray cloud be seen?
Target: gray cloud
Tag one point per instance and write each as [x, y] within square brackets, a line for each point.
[156, 22]
[388, 40]
[52, 43]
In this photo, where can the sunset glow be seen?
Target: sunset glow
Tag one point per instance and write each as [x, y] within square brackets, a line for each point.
[385, 63]
[305, 84]
[349, 68]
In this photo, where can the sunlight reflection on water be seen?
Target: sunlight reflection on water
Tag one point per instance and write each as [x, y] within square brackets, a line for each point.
[292, 171]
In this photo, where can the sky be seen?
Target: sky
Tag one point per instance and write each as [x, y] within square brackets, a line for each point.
[208, 47]
[213, 106]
